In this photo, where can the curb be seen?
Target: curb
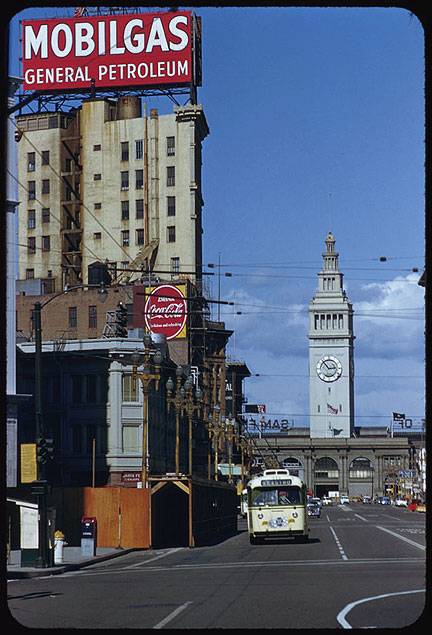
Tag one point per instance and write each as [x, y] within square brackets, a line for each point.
[73, 566]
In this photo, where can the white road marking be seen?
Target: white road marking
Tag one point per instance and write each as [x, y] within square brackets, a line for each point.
[244, 565]
[410, 542]
[391, 517]
[172, 615]
[327, 516]
[342, 553]
[412, 530]
[162, 555]
[361, 517]
[341, 615]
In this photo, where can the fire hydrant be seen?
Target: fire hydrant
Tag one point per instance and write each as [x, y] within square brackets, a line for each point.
[59, 543]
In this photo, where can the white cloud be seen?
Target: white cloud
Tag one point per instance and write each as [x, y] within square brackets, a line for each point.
[278, 328]
[390, 324]
[389, 350]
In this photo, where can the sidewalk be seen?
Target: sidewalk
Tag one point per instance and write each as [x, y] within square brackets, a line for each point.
[72, 560]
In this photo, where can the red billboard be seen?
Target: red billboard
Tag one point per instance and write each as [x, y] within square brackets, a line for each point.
[161, 309]
[110, 51]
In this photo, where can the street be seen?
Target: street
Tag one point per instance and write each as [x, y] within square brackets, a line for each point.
[364, 567]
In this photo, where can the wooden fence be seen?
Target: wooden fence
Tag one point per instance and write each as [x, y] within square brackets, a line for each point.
[122, 514]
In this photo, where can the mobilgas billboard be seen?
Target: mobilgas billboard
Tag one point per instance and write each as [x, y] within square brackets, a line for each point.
[110, 51]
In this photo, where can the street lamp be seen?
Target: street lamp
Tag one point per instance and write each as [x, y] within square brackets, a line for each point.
[216, 429]
[42, 559]
[230, 435]
[209, 426]
[190, 408]
[184, 404]
[151, 361]
[176, 401]
[245, 448]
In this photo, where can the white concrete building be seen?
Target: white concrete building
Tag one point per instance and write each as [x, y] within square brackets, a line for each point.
[106, 183]
[331, 353]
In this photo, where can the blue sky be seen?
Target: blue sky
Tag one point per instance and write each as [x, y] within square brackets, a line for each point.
[316, 120]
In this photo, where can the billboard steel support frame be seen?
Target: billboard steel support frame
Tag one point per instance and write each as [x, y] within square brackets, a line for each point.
[60, 99]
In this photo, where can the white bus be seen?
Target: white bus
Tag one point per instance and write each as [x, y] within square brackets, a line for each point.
[277, 507]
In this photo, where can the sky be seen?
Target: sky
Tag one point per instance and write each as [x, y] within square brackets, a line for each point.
[316, 119]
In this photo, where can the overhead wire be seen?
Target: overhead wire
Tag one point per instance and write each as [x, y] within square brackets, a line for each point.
[62, 182]
[51, 213]
[255, 265]
[309, 416]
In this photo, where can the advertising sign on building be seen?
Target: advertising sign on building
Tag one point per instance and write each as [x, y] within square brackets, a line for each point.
[131, 477]
[161, 309]
[267, 427]
[28, 463]
[116, 50]
[259, 408]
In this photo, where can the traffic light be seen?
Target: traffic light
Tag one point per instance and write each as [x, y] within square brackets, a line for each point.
[121, 320]
[42, 451]
[50, 448]
[45, 450]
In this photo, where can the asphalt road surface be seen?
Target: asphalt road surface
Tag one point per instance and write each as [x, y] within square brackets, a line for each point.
[364, 567]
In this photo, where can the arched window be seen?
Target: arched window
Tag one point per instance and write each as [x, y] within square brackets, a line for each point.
[360, 467]
[326, 467]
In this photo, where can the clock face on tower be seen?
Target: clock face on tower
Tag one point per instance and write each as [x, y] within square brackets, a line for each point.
[329, 368]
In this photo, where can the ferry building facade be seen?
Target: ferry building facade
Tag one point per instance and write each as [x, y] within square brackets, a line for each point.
[333, 454]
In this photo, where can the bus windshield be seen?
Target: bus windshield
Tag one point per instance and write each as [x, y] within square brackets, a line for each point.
[276, 496]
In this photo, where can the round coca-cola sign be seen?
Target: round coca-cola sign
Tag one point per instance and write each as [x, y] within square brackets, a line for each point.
[165, 311]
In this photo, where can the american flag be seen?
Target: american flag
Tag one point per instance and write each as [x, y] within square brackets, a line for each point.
[332, 410]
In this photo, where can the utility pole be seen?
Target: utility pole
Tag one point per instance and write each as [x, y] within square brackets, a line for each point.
[42, 454]
[42, 559]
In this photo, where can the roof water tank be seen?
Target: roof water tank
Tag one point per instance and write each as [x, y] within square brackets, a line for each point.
[128, 107]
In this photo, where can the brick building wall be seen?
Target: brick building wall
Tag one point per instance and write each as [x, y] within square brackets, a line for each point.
[67, 317]
[60, 316]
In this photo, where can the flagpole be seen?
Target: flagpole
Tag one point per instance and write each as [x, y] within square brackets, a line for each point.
[327, 422]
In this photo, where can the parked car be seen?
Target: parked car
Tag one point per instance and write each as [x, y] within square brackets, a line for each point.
[318, 501]
[367, 500]
[344, 500]
[326, 500]
[313, 509]
[385, 500]
[401, 502]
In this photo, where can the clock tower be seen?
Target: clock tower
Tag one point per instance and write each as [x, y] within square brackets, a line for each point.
[331, 352]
